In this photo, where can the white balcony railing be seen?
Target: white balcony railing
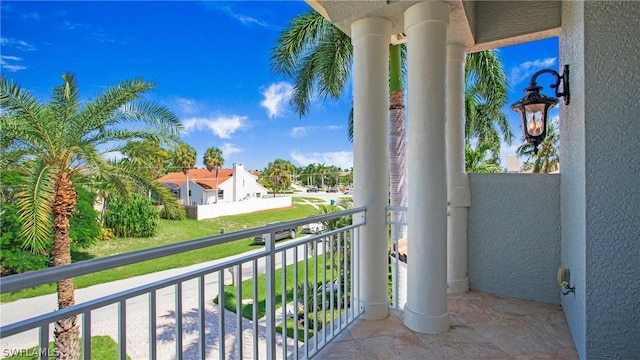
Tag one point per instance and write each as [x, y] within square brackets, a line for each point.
[322, 298]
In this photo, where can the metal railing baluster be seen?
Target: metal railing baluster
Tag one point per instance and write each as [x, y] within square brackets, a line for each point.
[239, 336]
[152, 325]
[202, 314]
[254, 307]
[283, 294]
[221, 310]
[44, 341]
[86, 335]
[305, 282]
[295, 302]
[178, 313]
[122, 329]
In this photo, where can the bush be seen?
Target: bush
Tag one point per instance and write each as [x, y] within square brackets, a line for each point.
[136, 217]
[173, 213]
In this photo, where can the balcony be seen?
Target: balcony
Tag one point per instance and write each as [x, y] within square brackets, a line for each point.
[141, 315]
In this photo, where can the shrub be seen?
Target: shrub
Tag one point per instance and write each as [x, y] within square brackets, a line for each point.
[135, 217]
[173, 212]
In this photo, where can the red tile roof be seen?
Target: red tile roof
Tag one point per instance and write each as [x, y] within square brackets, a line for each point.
[204, 177]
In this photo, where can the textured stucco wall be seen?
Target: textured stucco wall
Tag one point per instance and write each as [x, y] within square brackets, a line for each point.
[506, 257]
[572, 177]
[612, 182]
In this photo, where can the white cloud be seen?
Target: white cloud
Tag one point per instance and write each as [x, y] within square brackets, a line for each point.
[113, 155]
[244, 19]
[222, 126]
[334, 127]
[341, 159]
[17, 44]
[275, 98]
[526, 69]
[11, 67]
[300, 131]
[187, 106]
[249, 20]
[229, 148]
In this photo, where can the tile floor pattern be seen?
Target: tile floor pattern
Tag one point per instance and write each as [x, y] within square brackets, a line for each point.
[483, 326]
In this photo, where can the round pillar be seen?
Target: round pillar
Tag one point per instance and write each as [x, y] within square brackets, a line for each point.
[370, 38]
[426, 29]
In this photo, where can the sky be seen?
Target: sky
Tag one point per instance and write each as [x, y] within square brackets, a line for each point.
[210, 61]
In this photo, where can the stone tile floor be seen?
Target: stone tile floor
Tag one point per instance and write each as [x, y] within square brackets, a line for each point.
[483, 326]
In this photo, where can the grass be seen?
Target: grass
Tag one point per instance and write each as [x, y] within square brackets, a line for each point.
[102, 348]
[230, 301]
[171, 232]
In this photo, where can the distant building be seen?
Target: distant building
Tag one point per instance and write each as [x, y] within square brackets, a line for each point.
[231, 185]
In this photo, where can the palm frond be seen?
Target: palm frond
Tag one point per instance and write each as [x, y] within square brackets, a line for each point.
[295, 42]
[34, 201]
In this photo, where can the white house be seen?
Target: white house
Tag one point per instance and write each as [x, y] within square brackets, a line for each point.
[237, 191]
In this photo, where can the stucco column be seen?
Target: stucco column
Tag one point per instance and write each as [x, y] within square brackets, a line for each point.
[457, 179]
[370, 38]
[426, 29]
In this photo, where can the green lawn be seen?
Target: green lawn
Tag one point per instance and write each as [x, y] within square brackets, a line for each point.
[171, 232]
[102, 348]
[230, 302]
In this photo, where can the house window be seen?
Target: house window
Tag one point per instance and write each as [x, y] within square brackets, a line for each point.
[220, 194]
[257, 195]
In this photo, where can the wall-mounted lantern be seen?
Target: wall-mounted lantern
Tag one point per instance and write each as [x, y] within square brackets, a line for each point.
[534, 107]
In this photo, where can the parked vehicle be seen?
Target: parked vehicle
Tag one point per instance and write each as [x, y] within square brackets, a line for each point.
[313, 189]
[313, 228]
[279, 235]
[332, 190]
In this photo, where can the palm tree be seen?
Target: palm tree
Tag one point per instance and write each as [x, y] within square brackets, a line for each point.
[548, 157]
[184, 157]
[485, 96]
[213, 160]
[53, 142]
[476, 161]
[317, 54]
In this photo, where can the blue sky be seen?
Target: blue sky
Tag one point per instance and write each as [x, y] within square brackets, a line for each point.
[210, 61]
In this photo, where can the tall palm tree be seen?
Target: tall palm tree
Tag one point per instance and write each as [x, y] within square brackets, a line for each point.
[53, 142]
[317, 54]
[184, 157]
[548, 157]
[213, 160]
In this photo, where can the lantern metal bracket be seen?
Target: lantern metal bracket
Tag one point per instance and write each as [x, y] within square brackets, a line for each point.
[560, 79]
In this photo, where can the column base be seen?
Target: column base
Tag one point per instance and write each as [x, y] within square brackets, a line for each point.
[458, 286]
[424, 323]
[375, 311]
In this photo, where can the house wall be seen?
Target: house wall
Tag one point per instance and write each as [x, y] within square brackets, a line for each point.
[197, 194]
[513, 235]
[241, 207]
[243, 185]
[601, 186]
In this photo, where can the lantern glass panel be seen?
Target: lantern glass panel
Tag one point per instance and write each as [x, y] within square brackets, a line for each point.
[535, 122]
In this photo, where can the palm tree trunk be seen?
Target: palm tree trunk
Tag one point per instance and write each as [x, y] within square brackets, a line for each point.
[397, 136]
[66, 331]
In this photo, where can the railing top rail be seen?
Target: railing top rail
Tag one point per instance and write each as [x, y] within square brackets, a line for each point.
[50, 275]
